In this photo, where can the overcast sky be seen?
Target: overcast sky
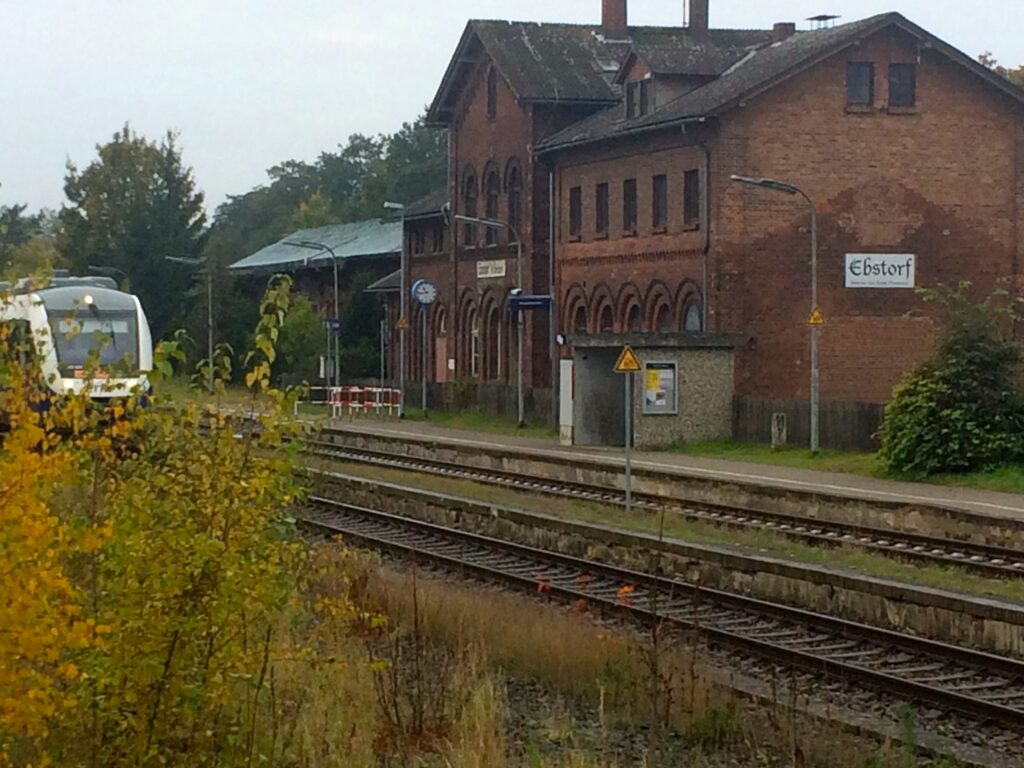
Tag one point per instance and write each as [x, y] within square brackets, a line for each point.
[249, 84]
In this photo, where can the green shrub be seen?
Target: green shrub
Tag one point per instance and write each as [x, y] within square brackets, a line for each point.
[962, 411]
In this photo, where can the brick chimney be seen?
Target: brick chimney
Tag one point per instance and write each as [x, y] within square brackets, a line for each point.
[783, 30]
[613, 18]
[699, 12]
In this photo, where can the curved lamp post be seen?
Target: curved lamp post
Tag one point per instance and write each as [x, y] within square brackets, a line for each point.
[791, 189]
[310, 245]
[496, 224]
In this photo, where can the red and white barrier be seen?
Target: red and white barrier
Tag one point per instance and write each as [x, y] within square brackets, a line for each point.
[351, 401]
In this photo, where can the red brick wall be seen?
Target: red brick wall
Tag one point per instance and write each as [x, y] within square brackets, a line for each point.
[940, 182]
[648, 268]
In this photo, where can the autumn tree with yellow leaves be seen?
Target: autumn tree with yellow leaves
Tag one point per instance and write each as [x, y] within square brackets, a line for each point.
[153, 591]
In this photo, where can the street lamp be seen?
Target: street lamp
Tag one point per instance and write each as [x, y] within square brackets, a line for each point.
[496, 224]
[403, 321]
[209, 308]
[309, 245]
[792, 189]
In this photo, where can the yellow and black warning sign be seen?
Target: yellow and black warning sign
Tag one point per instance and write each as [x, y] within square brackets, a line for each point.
[628, 362]
[816, 317]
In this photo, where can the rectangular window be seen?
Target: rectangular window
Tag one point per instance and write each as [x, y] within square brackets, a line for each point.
[419, 241]
[902, 85]
[860, 84]
[659, 203]
[638, 98]
[629, 206]
[691, 199]
[575, 213]
[601, 214]
[437, 239]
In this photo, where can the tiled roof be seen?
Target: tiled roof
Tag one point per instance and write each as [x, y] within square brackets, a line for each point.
[758, 70]
[359, 239]
[576, 62]
[668, 51]
[428, 206]
[388, 284]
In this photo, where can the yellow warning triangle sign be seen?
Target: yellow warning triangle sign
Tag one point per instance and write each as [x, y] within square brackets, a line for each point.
[628, 362]
[816, 317]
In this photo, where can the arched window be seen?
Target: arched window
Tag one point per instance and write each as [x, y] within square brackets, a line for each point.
[474, 342]
[579, 320]
[606, 320]
[492, 189]
[693, 320]
[440, 360]
[634, 319]
[663, 319]
[514, 187]
[492, 93]
[492, 350]
[469, 207]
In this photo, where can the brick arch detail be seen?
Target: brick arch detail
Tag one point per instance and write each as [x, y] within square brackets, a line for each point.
[629, 296]
[658, 296]
[687, 295]
[600, 298]
[575, 297]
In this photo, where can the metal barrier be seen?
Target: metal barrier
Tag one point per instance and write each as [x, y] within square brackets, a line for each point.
[350, 401]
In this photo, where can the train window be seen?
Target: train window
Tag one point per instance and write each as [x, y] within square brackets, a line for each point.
[112, 336]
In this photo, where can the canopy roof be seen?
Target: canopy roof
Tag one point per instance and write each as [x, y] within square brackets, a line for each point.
[359, 239]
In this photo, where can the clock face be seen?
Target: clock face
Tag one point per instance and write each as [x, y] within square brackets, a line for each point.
[425, 292]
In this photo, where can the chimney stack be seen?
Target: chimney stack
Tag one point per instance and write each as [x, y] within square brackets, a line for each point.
[699, 12]
[783, 30]
[613, 19]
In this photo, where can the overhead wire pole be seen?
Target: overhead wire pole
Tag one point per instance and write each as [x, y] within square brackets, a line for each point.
[403, 321]
[209, 308]
[815, 317]
[496, 224]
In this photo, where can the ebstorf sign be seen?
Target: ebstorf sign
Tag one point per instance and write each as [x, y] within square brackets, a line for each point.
[879, 270]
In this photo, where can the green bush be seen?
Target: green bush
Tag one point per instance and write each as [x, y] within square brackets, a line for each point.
[962, 411]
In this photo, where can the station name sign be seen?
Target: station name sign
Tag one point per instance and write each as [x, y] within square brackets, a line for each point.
[486, 270]
[880, 270]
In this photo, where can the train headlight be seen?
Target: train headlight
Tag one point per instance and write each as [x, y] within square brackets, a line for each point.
[88, 299]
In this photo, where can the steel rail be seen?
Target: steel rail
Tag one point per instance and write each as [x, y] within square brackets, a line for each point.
[983, 686]
[987, 560]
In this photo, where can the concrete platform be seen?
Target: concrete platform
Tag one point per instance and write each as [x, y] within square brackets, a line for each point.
[994, 504]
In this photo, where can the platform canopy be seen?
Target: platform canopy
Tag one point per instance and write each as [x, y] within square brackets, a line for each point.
[357, 240]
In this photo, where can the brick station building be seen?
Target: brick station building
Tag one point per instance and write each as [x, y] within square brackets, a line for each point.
[609, 149]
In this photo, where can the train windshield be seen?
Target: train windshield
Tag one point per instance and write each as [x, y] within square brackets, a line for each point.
[112, 336]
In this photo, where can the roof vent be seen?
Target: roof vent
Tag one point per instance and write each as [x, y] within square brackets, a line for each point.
[783, 30]
[823, 21]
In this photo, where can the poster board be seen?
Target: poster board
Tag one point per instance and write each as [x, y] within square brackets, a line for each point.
[661, 388]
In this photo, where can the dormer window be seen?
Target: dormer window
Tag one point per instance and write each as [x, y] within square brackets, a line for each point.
[638, 98]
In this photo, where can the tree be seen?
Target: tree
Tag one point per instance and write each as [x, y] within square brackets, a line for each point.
[129, 209]
[1015, 76]
[962, 411]
[301, 342]
[313, 212]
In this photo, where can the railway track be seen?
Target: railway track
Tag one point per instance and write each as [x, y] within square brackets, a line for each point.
[984, 687]
[987, 560]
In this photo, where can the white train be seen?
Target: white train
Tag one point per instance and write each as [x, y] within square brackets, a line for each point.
[72, 318]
